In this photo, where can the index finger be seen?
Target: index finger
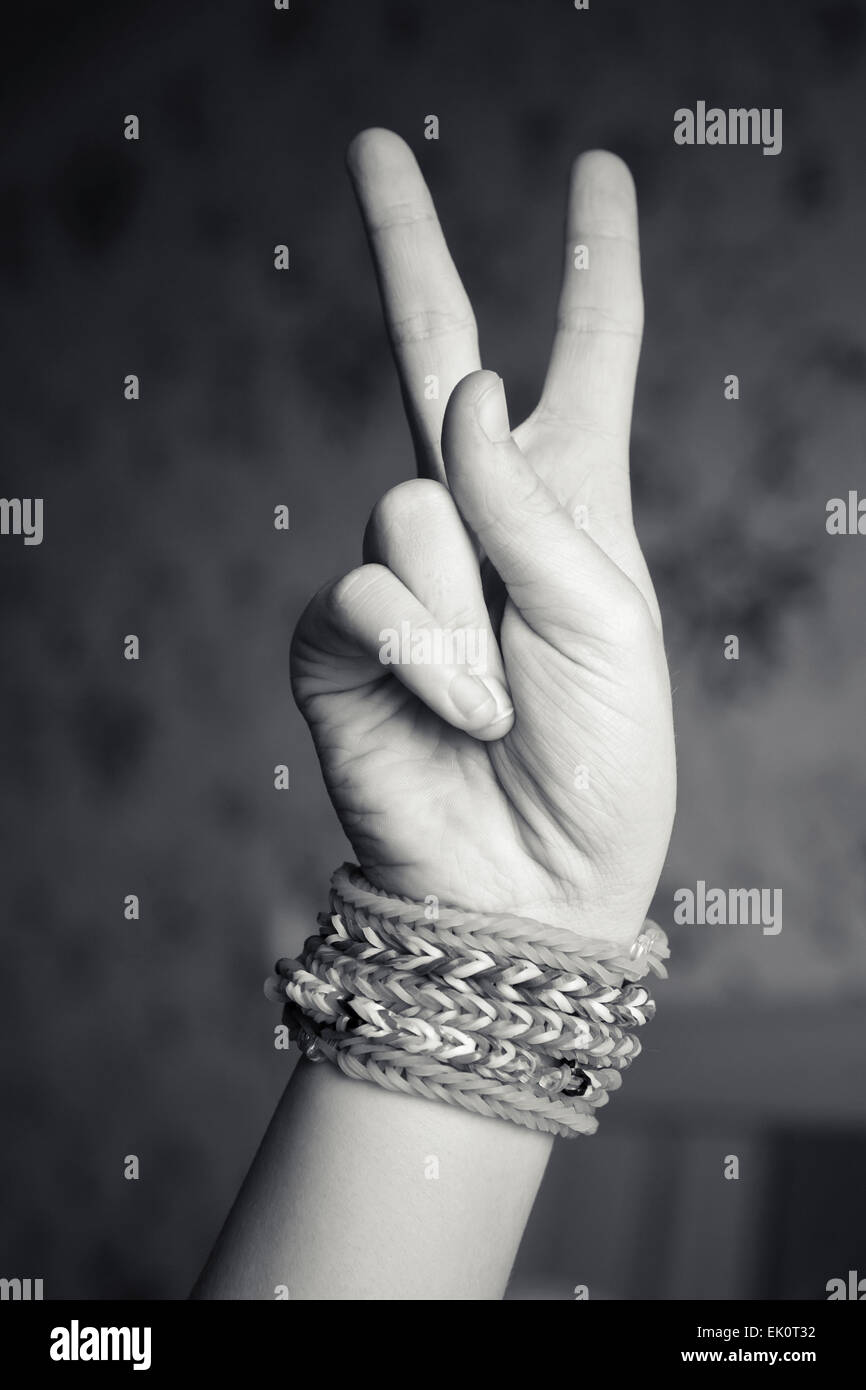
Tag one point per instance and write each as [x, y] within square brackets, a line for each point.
[427, 311]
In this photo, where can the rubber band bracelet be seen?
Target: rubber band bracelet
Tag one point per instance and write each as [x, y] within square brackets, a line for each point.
[457, 1041]
[320, 983]
[502, 1015]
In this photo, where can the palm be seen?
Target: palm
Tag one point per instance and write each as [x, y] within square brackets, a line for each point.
[568, 815]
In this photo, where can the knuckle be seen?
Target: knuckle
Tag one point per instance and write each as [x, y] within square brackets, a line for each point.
[594, 319]
[425, 324]
[630, 621]
[400, 215]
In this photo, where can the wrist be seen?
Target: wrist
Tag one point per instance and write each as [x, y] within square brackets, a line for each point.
[602, 913]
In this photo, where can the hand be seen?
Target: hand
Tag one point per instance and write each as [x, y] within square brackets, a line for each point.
[560, 808]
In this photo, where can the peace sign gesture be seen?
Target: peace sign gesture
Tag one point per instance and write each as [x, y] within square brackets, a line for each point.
[513, 752]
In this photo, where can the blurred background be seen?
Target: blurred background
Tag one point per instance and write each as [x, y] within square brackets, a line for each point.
[155, 777]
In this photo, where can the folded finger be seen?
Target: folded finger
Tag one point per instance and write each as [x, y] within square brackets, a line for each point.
[369, 620]
[417, 532]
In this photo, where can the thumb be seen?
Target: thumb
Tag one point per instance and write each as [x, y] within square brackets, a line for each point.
[560, 580]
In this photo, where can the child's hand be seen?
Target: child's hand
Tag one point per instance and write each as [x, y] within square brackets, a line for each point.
[561, 810]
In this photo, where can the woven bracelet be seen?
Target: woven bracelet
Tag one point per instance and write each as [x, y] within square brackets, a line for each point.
[321, 983]
[501, 1015]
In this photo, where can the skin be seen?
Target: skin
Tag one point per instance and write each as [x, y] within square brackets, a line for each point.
[552, 798]
[487, 815]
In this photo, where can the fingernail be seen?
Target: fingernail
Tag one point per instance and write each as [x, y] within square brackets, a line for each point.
[482, 702]
[492, 413]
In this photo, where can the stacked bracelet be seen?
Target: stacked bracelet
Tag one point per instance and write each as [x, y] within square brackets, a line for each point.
[502, 1015]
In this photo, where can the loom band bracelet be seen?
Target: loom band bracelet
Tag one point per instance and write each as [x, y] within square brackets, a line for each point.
[505, 982]
[339, 970]
[371, 945]
[631, 997]
[314, 995]
[472, 1011]
[411, 1050]
[583, 960]
[421, 952]
[500, 936]
[537, 980]
[478, 965]
[624, 1017]
[338, 946]
[620, 1062]
[553, 985]
[301, 1003]
[426, 952]
[402, 975]
[531, 1108]
[450, 1044]
[388, 972]
[458, 1048]
[501, 1017]
[371, 976]
[351, 891]
[571, 1030]
[443, 970]
[312, 1046]
[538, 1037]
[287, 968]
[307, 1004]
[605, 1049]
[467, 1010]
[626, 995]
[339, 974]
[542, 1029]
[452, 970]
[329, 999]
[388, 929]
[631, 1013]
[332, 997]
[376, 981]
[419, 1036]
[305, 998]
[619, 1058]
[559, 1078]
[609, 1015]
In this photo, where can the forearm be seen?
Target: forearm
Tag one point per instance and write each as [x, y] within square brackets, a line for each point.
[361, 1193]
